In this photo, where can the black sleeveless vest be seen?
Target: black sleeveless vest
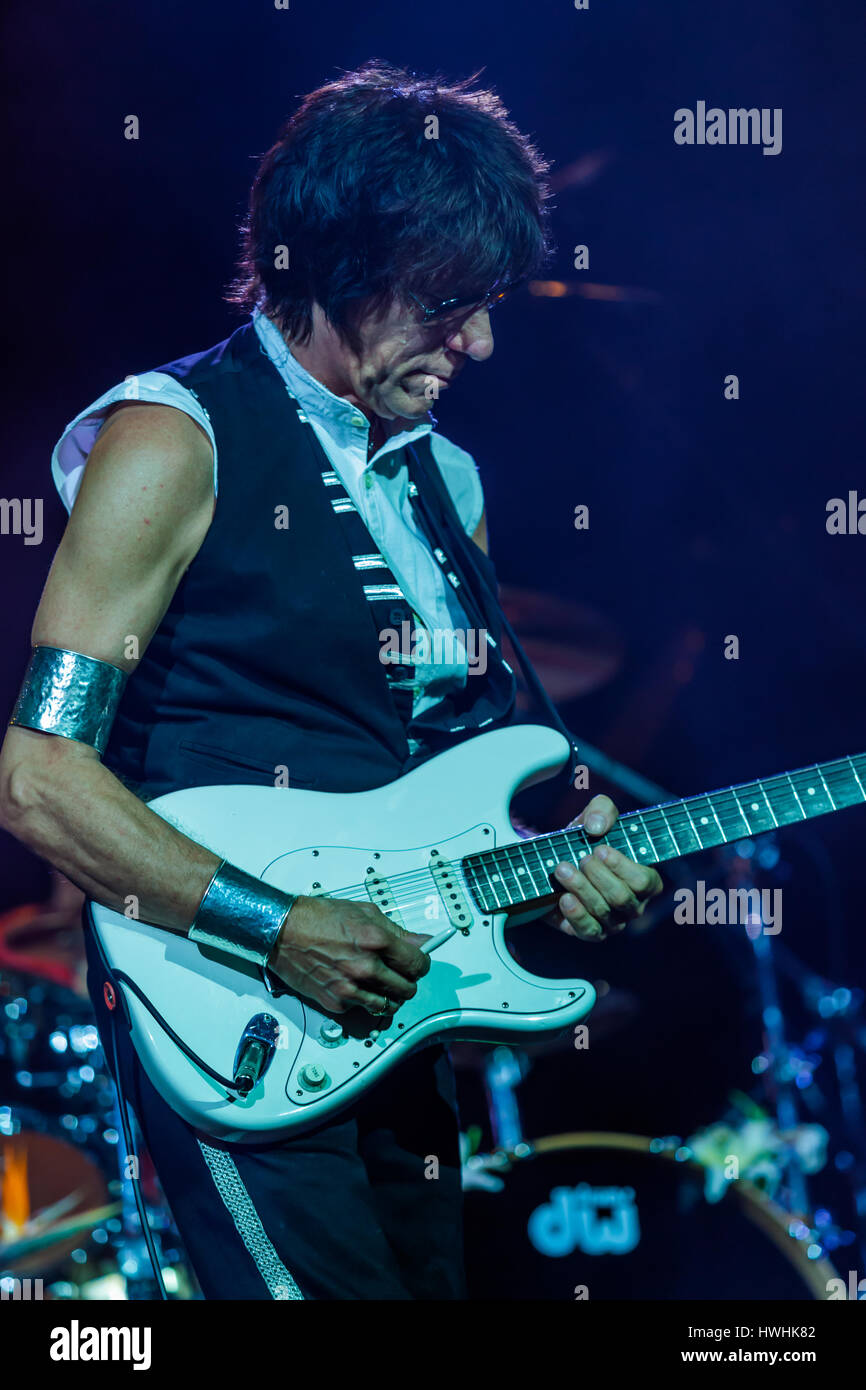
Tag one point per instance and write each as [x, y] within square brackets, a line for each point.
[268, 655]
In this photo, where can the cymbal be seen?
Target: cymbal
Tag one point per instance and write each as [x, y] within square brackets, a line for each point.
[46, 939]
[41, 1173]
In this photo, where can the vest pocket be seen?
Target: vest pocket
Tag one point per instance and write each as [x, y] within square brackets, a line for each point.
[227, 758]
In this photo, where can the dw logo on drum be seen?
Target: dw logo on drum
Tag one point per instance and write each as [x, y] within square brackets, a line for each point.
[597, 1220]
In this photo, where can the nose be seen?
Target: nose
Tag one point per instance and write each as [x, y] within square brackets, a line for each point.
[474, 337]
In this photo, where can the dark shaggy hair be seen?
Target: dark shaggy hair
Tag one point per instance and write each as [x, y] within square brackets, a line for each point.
[370, 208]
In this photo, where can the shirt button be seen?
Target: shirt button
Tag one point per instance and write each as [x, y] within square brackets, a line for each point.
[368, 481]
[358, 421]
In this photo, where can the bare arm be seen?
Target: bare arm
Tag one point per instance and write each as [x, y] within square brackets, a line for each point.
[145, 504]
[144, 508]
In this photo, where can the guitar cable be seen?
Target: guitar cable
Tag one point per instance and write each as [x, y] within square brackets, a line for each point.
[178, 1041]
[124, 1112]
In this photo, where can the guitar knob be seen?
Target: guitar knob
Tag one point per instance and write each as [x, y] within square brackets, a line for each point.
[313, 1076]
[331, 1032]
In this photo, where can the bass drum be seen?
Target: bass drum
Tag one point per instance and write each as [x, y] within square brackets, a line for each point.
[602, 1216]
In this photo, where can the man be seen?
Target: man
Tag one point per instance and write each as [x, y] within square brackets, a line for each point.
[250, 523]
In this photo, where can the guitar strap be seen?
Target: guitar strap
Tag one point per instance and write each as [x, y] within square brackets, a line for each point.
[468, 594]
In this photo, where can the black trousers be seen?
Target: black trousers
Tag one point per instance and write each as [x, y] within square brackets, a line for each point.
[367, 1206]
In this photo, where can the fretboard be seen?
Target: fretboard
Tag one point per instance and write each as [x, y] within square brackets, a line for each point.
[520, 873]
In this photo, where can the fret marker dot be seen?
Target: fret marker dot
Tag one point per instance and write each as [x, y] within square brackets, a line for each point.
[811, 791]
[643, 849]
[520, 870]
[704, 820]
[494, 877]
[549, 863]
[754, 805]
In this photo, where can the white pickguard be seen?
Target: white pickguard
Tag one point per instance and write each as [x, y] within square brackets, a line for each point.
[456, 804]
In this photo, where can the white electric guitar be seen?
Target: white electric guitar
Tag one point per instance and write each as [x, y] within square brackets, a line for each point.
[242, 1060]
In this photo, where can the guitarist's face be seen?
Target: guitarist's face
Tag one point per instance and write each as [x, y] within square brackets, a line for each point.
[400, 365]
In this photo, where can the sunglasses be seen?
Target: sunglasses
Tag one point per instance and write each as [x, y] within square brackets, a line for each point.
[446, 307]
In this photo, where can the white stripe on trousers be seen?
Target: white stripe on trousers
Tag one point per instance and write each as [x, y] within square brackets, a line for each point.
[239, 1205]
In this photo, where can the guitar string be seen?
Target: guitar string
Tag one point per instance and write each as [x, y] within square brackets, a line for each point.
[512, 856]
[675, 821]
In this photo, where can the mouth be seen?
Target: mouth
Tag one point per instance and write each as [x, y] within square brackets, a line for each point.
[435, 376]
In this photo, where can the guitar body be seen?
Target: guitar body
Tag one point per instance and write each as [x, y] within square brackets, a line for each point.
[399, 846]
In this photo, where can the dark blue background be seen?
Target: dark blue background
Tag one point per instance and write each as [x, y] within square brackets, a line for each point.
[707, 516]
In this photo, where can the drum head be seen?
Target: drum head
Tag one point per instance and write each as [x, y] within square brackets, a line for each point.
[601, 1217]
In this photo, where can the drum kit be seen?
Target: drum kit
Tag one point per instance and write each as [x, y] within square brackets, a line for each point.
[69, 1227]
[722, 1212]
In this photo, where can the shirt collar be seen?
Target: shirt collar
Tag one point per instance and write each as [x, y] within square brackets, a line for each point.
[342, 420]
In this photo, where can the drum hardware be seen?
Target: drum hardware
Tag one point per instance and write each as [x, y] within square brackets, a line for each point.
[836, 1042]
[59, 1151]
[623, 1216]
[598, 1215]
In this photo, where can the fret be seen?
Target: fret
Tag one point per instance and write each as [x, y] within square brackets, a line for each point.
[483, 894]
[662, 840]
[577, 846]
[820, 773]
[794, 790]
[692, 826]
[653, 851]
[847, 787]
[760, 787]
[709, 834]
[634, 826]
[859, 783]
[505, 877]
[555, 853]
[783, 801]
[669, 831]
[760, 817]
[522, 875]
[616, 838]
[740, 811]
[541, 873]
[711, 802]
[816, 800]
[544, 872]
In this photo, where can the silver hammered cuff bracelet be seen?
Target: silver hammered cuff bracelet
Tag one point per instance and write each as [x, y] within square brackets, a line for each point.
[70, 694]
[240, 915]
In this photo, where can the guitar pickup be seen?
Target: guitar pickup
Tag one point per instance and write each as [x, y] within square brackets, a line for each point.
[380, 893]
[450, 888]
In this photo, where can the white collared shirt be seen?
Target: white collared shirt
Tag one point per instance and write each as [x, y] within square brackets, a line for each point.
[379, 492]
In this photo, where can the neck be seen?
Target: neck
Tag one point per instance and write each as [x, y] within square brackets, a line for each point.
[319, 361]
[520, 873]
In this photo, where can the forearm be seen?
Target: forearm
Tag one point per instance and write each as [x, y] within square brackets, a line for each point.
[68, 808]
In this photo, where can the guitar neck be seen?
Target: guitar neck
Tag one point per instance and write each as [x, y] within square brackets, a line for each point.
[520, 873]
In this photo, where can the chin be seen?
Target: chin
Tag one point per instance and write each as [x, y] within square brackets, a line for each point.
[412, 407]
